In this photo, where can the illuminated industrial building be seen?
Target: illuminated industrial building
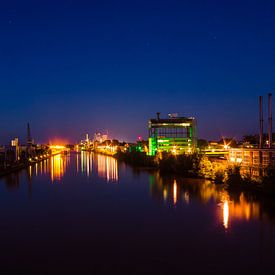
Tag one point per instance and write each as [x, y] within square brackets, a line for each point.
[257, 161]
[176, 135]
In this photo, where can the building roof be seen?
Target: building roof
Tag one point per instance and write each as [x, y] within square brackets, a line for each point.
[179, 121]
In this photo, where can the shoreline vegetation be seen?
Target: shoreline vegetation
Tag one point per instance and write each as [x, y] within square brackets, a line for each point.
[199, 166]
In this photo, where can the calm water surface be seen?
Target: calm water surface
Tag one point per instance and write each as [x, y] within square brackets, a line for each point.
[89, 214]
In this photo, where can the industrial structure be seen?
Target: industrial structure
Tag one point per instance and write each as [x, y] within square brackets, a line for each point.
[257, 161]
[176, 135]
[30, 148]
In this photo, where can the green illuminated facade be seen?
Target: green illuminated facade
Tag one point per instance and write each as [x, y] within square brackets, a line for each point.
[175, 135]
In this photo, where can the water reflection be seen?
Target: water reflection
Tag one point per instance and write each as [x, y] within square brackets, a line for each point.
[85, 165]
[54, 166]
[225, 214]
[239, 208]
[12, 181]
[57, 167]
[193, 218]
[174, 192]
[229, 207]
[106, 167]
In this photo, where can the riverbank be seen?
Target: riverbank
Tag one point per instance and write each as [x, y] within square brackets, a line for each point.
[14, 168]
[196, 166]
[200, 167]
[185, 165]
[23, 165]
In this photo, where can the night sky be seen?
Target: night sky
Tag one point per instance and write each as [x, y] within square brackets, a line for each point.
[71, 67]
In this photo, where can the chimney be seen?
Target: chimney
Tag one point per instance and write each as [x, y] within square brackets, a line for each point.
[261, 121]
[270, 120]
[29, 139]
[158, 115]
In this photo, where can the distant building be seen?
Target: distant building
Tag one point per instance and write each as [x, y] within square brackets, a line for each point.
[15, 144]
[30, 143]
[176, 135]
[254, 162]
[85, 144]
[257, 161]
[100, 137]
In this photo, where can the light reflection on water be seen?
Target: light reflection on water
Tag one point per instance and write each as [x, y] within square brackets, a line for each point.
[175, 192]
[144, 214]
[172, 191]
[86, 163]
[57, 167]
[230, 208]
[104, 166]
[225, 214]
[107, 168]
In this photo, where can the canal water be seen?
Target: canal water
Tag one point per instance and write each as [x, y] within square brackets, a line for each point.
[88, 214]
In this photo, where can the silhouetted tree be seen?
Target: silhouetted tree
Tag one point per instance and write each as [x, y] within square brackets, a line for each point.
[202, 143]
[252, 139]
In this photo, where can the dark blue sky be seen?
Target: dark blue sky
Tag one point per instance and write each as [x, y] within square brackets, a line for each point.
[71, 67]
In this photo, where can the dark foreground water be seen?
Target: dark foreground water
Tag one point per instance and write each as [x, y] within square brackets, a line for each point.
[88, 214]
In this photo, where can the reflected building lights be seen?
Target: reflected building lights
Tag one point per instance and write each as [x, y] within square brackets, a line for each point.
[86, 163]
[30, 173]
[36, 169]
[175, 192]
[165, 194]
[186, 197]
[89, 162]
[57, 167]
[242, 209]
[83, 162]
[47, 165]
[107, 168]
[77, 163]
[229, 209]
[225, 214]
[30, 170]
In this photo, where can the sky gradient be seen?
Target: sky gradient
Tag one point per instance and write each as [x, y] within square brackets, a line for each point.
[71, 67]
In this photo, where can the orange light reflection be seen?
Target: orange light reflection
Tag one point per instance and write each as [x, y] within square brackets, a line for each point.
[107, 168]
[175, 192]
[58, 166]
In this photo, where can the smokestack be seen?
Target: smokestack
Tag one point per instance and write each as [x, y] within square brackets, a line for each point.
[261, 121]
[29, 139]
[158, 115]
[270, 120]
